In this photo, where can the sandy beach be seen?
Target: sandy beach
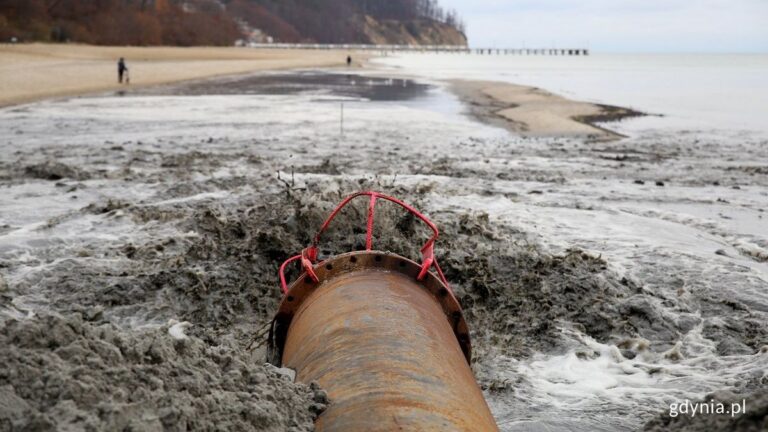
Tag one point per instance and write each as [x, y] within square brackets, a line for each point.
[33, 72]
[30, 72]
[534, 112]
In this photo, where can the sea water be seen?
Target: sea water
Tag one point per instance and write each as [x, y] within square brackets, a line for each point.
[724, 92]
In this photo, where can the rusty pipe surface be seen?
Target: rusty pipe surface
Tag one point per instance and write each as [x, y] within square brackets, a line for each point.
[392, 352]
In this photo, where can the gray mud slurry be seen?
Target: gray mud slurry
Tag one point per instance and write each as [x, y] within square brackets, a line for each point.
[593, 302]
[84, 374]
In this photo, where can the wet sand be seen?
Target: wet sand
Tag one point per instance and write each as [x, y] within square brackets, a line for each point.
[533, 112]
[30, 72]
[121, 213]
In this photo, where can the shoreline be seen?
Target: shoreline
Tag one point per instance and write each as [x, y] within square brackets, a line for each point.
[533, 112]
[35, 72]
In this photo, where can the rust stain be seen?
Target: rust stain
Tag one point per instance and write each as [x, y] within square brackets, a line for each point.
[392, 352]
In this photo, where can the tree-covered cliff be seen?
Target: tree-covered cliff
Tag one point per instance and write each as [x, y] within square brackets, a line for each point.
[222, 22]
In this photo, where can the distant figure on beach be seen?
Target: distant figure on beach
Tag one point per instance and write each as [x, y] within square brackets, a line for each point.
[122, 70]
[349, 61]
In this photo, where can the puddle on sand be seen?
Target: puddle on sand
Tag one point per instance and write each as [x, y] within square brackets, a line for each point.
[310, 82]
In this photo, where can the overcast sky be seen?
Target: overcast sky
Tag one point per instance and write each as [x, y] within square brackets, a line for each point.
[618, 25]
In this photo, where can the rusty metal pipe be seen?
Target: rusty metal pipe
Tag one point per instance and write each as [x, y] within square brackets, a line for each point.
[392, 352]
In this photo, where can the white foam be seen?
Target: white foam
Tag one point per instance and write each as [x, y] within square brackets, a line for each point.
[579, 389]
[177, 329]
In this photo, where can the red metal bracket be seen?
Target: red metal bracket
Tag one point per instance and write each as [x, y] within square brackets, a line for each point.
[308, 256]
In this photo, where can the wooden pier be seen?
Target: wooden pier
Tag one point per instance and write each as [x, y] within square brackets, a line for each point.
[455, 49]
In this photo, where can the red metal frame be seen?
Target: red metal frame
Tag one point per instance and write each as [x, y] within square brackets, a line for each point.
[308, 256]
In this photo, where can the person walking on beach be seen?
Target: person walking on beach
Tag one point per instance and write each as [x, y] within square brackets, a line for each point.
[122, 70]
[349, 60]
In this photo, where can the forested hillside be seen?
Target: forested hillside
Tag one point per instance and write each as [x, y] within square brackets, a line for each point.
[222, 22]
